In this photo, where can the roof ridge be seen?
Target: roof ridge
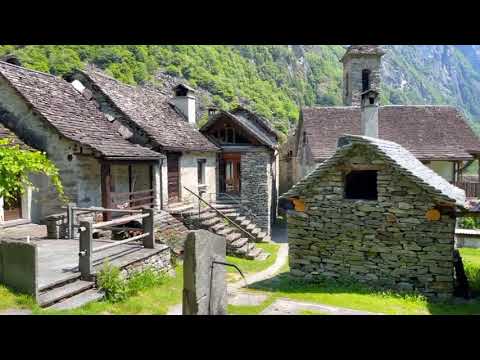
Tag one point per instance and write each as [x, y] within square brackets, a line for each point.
[29, 70]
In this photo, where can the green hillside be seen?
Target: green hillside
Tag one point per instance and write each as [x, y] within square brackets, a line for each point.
[275, 80]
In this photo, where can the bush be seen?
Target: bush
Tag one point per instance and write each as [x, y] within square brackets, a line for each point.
[118, 289]
[469, 223]
[110, 280]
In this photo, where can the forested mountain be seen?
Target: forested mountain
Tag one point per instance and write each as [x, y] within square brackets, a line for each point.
[276, 80]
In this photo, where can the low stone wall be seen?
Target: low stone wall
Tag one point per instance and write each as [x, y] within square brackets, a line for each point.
[160, 262]
[57, 224]
[19, 266]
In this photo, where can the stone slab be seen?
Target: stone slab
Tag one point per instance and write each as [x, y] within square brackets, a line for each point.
[204, 283]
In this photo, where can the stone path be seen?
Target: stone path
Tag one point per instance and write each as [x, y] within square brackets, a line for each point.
[290, 307]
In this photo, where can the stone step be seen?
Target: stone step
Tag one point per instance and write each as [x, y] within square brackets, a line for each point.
[232, 215]
[78, 300]
[263, 256]
[253, 253]
[179, 208]
[232, 237]
[217, 227]
[239, 219]
[211, 222]
[225, 231]
[194, 212]
[59, 293]
[250, 227]
[245, 223]
[238, 243]
[205, 216]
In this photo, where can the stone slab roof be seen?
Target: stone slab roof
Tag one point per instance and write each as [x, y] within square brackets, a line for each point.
[398, 157]
[257, 126]
[151, 110]
[69, 113]
[6, 133]
[428, 132]
[360, 50]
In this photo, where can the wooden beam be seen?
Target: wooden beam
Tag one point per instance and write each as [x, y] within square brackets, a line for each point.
[106, 185]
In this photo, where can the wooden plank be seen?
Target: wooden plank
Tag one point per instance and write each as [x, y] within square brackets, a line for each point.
[117, 194]
[117, 243]
[119, 221]
[106, 185]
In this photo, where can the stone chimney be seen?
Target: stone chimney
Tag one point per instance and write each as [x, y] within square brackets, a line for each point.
[369, 116]
[185, 102]
[11, 59]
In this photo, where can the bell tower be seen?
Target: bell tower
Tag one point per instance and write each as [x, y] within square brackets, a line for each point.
[361, 72]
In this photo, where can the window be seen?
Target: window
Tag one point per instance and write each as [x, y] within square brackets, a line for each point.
[229, 170]
[201, 171]
[229, 135]
[361, 185]
[365, 80]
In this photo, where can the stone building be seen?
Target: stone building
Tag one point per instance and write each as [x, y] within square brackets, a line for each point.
[439, 136]
[248, 164]
[375, 213]
[50, 115]
[165, 124]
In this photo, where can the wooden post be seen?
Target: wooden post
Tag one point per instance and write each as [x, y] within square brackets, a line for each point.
[106, 184]
[70, 220]
[148, 222]
[85, 254]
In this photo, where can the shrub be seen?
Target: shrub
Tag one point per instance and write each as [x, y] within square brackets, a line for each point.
[118, 289]
[112, 283]
[472, 271]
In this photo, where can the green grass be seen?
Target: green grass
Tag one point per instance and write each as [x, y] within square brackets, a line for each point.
[11, 300]
[471, 263]
[155, 300]
[252, 266]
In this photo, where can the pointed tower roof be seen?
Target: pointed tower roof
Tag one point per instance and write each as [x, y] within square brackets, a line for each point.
[362, 50]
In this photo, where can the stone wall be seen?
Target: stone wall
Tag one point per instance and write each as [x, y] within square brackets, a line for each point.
[256, 185]
[388, 242]
[161, 262]
[189, 174]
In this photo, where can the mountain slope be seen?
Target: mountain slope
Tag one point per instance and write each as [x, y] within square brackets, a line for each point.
[276, 80]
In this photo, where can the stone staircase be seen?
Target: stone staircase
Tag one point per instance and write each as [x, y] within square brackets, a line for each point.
[238, 242]
[69, 294]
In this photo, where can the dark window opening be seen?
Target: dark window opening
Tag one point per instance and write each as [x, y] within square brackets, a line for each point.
[229, 135]
[372, 100]
[361, 185]
[346, 85]
[365, 80]
[201, 171]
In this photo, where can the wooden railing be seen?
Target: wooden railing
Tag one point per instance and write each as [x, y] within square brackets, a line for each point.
[133, 200]
[225, 217]
[472, 189]
[86, 251]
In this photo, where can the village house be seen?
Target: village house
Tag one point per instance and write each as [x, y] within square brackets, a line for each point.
[373, 212]
[48, 114]
[438, 136]
[248, 164]
[151, 118]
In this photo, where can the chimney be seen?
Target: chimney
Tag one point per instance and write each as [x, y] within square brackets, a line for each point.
[212, 111]
[185, 102]
[11, 59]
[369, 117]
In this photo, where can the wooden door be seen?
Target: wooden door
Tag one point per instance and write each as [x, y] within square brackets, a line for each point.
[232, 173]
[12, 209]
[173, 177]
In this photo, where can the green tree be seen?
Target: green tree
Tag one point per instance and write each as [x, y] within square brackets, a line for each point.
[15, 166]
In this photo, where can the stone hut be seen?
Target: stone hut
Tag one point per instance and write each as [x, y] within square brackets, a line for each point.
[374, 213]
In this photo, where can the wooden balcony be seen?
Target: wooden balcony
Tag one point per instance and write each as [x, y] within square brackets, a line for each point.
[472, 189]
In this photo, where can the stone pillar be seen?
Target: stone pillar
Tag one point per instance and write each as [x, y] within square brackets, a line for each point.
[204, 283]
[257, 186]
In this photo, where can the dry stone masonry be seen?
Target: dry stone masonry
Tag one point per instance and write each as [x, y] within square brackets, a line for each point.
[390, 242]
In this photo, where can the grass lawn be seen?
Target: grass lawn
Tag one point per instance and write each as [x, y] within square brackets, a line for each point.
[358, 297]
[252, 266]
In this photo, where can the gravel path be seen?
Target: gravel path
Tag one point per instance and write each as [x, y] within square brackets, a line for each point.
[291, 307]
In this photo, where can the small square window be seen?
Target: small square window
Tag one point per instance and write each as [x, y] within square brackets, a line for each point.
[361, 185]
